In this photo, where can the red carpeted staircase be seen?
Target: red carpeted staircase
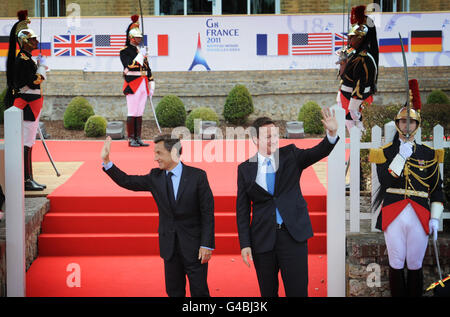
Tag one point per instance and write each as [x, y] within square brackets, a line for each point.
[105, 227]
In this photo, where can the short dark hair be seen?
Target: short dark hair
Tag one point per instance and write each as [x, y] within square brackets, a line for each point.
[169, 142]
[259, 122]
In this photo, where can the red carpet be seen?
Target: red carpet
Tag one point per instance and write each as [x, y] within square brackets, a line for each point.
[112, 232]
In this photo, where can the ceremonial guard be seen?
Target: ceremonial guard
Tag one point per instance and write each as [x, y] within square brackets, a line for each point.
[358, 67]
[24, 78]
[138, 77]
[411, 197]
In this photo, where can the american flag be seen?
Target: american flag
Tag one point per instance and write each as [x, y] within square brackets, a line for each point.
[73, 45]
[340, 40]
[312, 43]
[109, 45]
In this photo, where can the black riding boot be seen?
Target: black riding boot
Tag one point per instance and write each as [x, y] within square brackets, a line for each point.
[131, 126]
[30, 183]
[397, 282]
[414, 282]
[138, 132]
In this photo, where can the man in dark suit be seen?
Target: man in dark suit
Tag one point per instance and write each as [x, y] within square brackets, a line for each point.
[269, 194]
[186, 214]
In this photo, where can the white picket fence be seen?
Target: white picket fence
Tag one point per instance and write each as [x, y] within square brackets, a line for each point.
[355, 216]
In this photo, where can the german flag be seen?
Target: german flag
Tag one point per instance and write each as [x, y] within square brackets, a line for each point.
[426, 41]
[4, 46]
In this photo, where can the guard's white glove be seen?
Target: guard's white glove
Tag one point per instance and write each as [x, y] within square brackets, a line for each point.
[406, 149]
[353, 108]
[152, 87]
[139, 58]
[41, 60]
[434, 227]
[42, 71]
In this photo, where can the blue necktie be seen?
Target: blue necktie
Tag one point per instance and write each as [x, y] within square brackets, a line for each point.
[270, 180]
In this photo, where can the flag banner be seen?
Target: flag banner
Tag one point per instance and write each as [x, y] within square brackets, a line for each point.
[236, 42]
[109, 45]
[73, 45]
[44, 47]
[426, 41]
[271, 45]
[340, 40]
[392, 45]
[312, 43]
[4, 46]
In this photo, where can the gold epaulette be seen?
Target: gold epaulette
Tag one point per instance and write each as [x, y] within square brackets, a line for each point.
[439, 155]
[24, 56]
[377, 155]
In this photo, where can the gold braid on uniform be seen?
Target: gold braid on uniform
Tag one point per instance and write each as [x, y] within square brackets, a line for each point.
[412, 162]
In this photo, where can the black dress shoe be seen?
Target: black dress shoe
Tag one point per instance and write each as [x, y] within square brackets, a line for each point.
[133, 143]
[31, 185]
[139, 141]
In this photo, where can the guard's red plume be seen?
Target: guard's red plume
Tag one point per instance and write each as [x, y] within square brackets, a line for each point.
[414, 87]
[22, 15]
[134, 18]
[358, 15]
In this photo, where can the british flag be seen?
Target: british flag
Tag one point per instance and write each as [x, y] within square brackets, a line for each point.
[73, 45]
[340, 40]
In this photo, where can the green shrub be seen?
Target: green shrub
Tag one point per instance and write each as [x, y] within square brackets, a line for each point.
[310, 114]
[2, 106]
[438, 97]
[203, 113]
[77, 113]
[95, 126]
[238, 105]
[170, 112]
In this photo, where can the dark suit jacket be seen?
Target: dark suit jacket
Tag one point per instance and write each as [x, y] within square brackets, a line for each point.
[192, 220]
[255, 203]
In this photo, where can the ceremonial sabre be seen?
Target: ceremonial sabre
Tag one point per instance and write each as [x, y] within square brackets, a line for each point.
[408, 105]
[142, 44]
[39, 127]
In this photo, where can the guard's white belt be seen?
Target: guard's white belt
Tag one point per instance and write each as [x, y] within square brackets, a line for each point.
[408, 192]
[350, 89]
[27, 90]
[136, 73]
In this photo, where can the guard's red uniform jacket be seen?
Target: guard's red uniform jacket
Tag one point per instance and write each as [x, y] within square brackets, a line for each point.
[134, 73]
[419, 184]
[27, 86]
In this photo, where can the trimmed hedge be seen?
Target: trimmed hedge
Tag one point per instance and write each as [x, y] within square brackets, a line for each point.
[203, 113]
[438, 97]
[95, 126]
[77, 113]
[238, 105]
[170, 112]
[310, 114]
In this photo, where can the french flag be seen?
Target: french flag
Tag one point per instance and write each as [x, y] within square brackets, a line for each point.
[272, 44]
[159, 45]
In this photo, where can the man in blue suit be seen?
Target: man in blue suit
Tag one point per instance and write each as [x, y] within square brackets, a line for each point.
[269, 194]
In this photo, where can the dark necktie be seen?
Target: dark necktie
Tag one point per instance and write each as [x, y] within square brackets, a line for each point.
[170, 193]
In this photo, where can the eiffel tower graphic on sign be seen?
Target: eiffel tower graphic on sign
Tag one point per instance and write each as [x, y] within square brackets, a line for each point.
[198, 58]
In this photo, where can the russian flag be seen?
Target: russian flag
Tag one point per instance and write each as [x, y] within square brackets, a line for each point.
[46, 49]
[273, 44]
[392, 45]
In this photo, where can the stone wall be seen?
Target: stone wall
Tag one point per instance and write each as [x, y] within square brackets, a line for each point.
[35, 209]
[366, 254]
[279, 94]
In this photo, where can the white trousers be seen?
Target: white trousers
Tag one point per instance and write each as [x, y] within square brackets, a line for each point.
[136, 102]
[30, 130]
[406, 240]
